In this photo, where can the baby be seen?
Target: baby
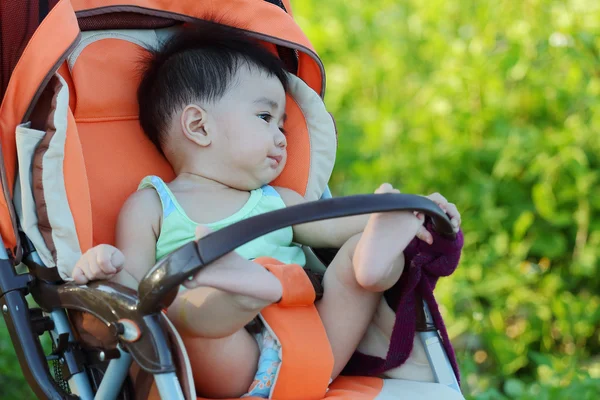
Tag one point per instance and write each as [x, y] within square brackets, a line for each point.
[213, 102]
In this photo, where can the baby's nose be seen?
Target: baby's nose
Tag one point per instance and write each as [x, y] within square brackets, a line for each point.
[281, 141]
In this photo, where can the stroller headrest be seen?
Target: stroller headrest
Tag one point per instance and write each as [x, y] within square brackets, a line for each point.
[103, 69]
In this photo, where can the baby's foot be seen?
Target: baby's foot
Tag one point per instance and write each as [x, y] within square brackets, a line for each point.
[234, 274]
[378, 260]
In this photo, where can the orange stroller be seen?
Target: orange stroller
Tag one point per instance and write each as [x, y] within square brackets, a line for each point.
[73, 151]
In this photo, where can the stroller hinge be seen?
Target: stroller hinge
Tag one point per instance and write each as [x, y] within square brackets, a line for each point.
[101, 356]
[10, 280]
[40, 322]
[62, 345]
[70, 357]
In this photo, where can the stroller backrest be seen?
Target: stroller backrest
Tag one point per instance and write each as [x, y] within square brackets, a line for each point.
[115, 151]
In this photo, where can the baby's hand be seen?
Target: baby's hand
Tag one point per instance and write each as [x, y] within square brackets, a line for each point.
[100, 262]
[449, 208]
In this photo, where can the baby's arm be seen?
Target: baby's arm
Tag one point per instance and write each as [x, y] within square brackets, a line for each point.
[331, 233]
[136, 235]
[233, 290]
[211, 315]
[137, 231]
[222, 305]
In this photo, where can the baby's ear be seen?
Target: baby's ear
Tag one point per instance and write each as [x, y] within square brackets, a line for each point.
[193, 124]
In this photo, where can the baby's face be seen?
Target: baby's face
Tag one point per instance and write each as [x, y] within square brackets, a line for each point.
[249, 130]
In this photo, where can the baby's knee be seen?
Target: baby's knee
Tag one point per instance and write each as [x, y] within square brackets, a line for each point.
[342, 265]
[380, 279]
[368, 277]
[210, 363]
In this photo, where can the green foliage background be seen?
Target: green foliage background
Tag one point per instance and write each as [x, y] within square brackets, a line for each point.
[494, 104]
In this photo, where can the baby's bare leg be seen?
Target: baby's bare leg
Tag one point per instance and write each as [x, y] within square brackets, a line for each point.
[222, 298]
[211, 323]
[234, 274]
[365, 266]
[383, 241]
[224, 367]
[346, 308]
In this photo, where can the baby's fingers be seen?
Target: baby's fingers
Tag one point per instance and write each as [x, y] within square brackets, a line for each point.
[84, 272]
[454, 216]
[439, 200]
[425, 235]
[109, 261]
[118, 259]
[79, 277]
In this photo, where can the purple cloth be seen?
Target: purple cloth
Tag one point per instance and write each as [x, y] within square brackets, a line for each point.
[425, 264]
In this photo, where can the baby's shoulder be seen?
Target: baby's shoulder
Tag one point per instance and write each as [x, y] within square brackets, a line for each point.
[143, 201]
[142, 210]
[290, 197]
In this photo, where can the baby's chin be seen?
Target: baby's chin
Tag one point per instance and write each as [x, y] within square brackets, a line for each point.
[269, 181]
[262, 178]
[250, 186]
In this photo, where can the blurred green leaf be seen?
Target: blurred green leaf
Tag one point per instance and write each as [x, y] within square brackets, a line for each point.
[543, 199]
[496, 105]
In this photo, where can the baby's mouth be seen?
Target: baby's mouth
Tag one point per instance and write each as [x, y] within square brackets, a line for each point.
[277, 159]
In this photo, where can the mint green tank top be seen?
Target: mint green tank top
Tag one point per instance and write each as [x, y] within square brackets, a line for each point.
[178, 229]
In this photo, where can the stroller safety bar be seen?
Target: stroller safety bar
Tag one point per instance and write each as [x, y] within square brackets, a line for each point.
[159, 287]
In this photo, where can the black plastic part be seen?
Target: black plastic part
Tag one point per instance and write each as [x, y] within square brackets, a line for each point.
[277, 3]
[158, 288]
[40, 322]
[62, 344]
[316, 279]
[25, 326]
[96, 374]
[26, 342]
[117, 328]
[92, 356]
[26, 245]
[73, 361]
[10, 280]
[43, 9]
[70, 356]
[325, 255]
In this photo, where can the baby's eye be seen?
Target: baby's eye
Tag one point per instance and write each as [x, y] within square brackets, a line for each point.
[265, 116]
[282, 130]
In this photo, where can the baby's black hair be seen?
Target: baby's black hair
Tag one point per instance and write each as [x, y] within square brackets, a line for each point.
[196, 64]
